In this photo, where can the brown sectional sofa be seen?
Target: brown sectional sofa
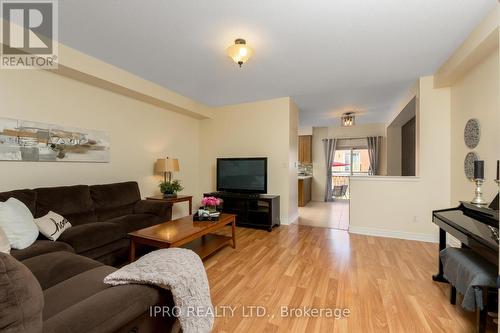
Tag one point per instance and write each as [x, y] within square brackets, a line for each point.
[70, 271]
[100, 215]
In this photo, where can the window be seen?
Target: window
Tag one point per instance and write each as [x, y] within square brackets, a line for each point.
[348, 162]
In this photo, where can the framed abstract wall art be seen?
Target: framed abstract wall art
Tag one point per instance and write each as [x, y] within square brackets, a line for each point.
[22, 140]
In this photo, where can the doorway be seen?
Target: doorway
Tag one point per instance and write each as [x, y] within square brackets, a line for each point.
[349, 160]
[408, 148]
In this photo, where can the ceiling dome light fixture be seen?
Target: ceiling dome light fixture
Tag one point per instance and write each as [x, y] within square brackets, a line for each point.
[348, 119]
[240, 52]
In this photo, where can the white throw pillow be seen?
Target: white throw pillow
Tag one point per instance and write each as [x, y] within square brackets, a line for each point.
[52, 225]
[16, 221]
[4, 242]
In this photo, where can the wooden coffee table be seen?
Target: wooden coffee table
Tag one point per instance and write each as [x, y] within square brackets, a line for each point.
[185, 232]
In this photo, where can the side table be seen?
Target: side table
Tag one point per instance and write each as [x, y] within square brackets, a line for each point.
[178, 198]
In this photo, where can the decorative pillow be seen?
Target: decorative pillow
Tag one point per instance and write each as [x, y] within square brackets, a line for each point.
[52, 225]
[16, 221]
[21, 297]
[4, 242]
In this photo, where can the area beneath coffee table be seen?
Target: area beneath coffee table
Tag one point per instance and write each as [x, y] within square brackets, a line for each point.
[208, 244]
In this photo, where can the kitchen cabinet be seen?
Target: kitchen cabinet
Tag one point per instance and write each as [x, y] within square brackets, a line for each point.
[305, 148]
[304, 190]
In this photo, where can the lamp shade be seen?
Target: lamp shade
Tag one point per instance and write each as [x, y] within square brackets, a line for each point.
[167, 165]
[240, 52]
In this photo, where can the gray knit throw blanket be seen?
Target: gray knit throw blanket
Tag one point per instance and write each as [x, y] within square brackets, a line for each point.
[181, 271]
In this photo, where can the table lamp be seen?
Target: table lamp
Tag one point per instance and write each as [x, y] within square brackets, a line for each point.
[167, 166]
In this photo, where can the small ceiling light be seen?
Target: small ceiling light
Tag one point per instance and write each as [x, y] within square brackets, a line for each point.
[240, 52]
[347, 119]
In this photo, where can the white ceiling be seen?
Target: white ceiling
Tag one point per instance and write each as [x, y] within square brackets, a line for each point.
[329, 55]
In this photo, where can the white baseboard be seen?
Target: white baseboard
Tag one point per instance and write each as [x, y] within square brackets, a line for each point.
[289, 220]
[394, 234]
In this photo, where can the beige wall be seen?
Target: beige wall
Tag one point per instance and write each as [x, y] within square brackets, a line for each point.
[140, 133]
[293, 156]
[250, 130]
[466, 85]
[375, 129]
[320, 133]
[476, 95]
[77, 65]
[142, 129]
[394, 137]
[394, 162]
[402, 206]
[318, 161]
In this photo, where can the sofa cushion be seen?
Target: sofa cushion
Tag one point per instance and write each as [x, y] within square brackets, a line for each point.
[92, 235]
[159, 208]
[17, 222]
[106, 310]
[21, 298]
[55, 267]
[72, 202]
[133, 222]
[98, 252]
[81, 218]
[113, 200]
[27, 197]
[75, 289]
[105, 215]
[40, 247]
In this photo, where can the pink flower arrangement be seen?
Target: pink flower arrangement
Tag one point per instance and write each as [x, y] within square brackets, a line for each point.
[210, 201]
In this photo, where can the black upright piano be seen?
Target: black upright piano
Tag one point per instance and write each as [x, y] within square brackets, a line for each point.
[476, 227]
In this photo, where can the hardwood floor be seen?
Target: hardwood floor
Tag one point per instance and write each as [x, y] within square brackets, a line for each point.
[325, 214]
[385, 283]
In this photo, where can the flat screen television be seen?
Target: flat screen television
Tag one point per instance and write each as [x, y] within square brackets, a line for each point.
[242, 175]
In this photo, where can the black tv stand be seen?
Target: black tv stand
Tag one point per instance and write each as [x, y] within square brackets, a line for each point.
[253, 210]
[236, 194]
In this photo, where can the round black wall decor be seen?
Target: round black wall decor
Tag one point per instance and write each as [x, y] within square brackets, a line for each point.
[472, 133]
[469, 164]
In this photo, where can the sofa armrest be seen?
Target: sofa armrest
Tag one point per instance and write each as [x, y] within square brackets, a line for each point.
[159, 208]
